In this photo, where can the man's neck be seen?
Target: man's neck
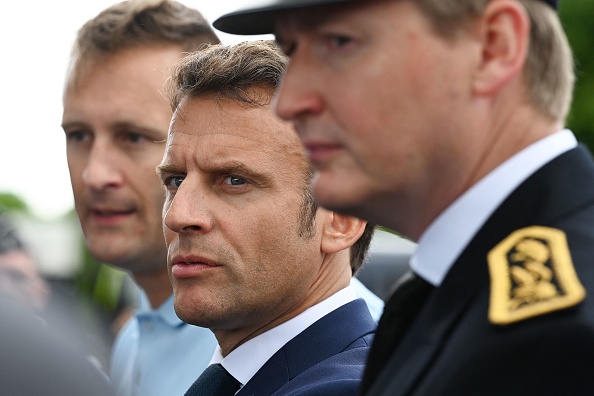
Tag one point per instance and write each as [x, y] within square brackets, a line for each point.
[156, 285]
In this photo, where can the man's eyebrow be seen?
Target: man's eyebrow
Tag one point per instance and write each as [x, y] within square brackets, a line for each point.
[154, 133]
[239, 168]
[73, 125]
[257, 176]
[167, 168]
[233, 167]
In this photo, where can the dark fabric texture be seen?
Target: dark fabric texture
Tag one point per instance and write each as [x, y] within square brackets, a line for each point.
[408, 297]
[452, 348]
[325, 359]
[214, 381]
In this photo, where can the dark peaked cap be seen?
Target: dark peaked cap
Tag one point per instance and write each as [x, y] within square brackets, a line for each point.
[261, 19]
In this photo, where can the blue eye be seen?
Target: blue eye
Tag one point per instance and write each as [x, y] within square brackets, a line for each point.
[175, 181]
[234, 181]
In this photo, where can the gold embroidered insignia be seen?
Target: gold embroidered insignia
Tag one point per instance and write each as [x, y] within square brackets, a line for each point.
[532, 274]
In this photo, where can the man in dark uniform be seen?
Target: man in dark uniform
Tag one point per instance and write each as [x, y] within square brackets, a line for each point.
[444, 120]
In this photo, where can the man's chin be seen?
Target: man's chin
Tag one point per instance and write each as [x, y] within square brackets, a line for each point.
[105, 251]
[341, 199]
[192, 316]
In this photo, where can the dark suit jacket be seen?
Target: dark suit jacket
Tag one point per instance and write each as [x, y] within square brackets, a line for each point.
[325, 359]
[453, 349]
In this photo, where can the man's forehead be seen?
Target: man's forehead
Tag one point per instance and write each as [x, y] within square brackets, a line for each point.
[305, 19]
[354, 13]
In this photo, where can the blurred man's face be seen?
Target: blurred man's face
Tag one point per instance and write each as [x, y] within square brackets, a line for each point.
[116, 120]
[19, 279]
[237, 257]
[375, 96]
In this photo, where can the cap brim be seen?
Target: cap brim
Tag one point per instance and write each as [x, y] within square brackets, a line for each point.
[262, 19]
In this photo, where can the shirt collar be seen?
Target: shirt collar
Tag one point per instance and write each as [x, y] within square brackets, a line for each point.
[447, 236]
[261, 348]
[166, 310]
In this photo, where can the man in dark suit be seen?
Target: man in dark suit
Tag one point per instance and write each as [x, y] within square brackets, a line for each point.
[444, 120]
[250, 255]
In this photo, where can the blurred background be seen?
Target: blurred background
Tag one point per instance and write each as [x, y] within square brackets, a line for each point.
[35, 192]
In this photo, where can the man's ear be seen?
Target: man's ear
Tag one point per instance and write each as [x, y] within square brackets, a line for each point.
[504, 34]
[340, 232]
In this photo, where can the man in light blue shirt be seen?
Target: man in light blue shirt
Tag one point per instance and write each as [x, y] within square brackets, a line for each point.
[116, 120]
[156, 339]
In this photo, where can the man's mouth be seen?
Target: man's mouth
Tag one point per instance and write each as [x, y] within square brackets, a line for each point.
[110, 217]
[109, 213]
[190, 266]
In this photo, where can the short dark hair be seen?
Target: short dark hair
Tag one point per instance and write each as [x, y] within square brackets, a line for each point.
[231, 73]
[141, 23]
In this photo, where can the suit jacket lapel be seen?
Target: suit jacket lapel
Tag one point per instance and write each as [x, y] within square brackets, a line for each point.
[325, 338]
[571, 171]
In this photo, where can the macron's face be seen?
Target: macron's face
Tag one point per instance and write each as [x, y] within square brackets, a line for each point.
[370, 98]
[116, 120]
[235, 180]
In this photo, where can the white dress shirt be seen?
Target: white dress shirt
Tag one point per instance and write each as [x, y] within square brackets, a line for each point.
[245, 360]
[447, 236]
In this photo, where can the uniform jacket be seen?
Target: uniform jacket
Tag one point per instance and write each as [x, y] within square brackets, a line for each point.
[325, 359]
[452, 348]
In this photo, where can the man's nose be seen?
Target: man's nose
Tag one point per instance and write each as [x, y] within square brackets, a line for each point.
[187, 211]
[297, 95]
[102, 169]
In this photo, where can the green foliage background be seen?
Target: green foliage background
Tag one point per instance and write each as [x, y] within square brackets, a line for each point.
[577, 17]
[11, 202]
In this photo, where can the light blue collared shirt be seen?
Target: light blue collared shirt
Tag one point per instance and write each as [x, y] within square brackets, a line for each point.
[156, 354]
[374, 303]
[448, 235]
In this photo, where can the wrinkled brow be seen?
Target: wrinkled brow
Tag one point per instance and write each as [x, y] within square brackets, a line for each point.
[167, 168]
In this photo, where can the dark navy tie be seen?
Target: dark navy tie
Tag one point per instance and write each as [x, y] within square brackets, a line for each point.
[214, 381]
[406, 301]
